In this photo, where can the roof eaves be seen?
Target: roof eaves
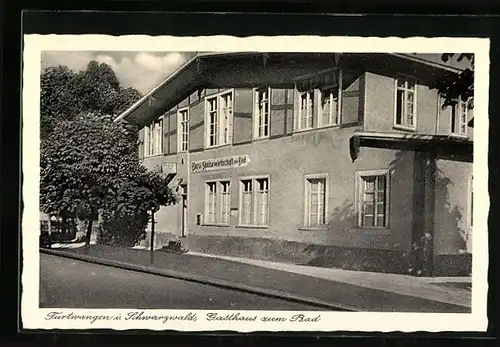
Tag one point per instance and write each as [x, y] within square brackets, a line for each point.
[427, 62]
[155, 89]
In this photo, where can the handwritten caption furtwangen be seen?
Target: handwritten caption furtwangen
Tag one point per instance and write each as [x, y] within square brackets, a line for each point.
[189, 317]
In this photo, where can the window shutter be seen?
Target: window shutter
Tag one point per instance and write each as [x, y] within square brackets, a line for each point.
[141, 143]
[146, 141]
[296, 103]
[230, 119]
[205, 125]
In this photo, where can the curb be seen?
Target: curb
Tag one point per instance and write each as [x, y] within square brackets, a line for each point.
[201, 280]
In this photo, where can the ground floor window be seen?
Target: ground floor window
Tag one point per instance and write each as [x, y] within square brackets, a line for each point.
[315, 202]
[254, 201]
[373, 198]
[217, 202]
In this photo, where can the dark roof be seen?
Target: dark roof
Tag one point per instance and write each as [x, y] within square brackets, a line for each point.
[197, 72]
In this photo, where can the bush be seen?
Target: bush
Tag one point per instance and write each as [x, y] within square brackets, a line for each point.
[124, 231]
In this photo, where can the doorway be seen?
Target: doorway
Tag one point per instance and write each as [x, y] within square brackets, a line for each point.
[184, 210]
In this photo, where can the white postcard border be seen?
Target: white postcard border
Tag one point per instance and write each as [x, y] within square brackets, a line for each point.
[34, 317]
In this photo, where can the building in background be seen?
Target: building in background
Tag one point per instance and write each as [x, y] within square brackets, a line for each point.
[339, 160]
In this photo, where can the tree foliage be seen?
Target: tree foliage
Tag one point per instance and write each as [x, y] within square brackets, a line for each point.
[66, 94]
[458, 86]
[89, 164]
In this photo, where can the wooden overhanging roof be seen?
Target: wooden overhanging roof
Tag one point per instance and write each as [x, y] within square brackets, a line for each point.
[443, 146]
[205, 69]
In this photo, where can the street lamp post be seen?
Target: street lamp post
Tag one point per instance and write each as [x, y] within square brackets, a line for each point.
[152, 245]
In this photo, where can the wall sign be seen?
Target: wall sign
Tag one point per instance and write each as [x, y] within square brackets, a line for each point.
[220, 163]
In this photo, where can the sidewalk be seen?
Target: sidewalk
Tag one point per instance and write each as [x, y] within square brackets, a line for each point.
[442, 289]
[329, 288]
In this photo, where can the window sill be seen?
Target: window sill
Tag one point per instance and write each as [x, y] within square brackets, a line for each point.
[153, 155]
[313, 228]
[217, 146]
[253, 226]
[372, 230]
[298, 131]
[405, 128]
[263, 138]
[460, 136]
[214, 225]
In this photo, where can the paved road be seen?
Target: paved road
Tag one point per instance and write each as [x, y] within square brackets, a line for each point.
[68, 283]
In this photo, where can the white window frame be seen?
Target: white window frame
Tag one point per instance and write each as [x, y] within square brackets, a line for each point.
[359, 192]
[339, 104]
[221, 193]
[310, 102]
[218, 208]
[256, 113]
[182, 129]
[316, 98]
[254, 223]
[458, 120]
[406, 90]
[153, 138]
[307, 201]
[224, 129]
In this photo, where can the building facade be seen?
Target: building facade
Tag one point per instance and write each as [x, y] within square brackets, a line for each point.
[338, 160]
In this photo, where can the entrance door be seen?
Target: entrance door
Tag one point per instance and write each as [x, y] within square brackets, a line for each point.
[184, 210]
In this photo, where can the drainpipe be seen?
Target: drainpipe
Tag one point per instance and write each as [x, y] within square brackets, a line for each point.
[188, 183]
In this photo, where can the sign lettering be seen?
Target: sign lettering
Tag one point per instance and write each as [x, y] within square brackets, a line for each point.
[220, 163]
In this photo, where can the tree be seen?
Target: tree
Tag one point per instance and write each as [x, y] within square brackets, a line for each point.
[66, 94]
[89, 166]
[455, 87]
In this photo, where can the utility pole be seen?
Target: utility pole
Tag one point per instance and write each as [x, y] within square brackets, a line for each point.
[152, 244]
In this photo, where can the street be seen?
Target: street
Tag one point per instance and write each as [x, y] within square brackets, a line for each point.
[68, 283]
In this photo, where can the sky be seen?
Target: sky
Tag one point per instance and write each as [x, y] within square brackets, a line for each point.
[140, 70]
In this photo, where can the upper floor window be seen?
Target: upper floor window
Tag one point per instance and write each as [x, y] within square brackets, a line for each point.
[330, 107]
[373, 198]
[183, 129]
[262, 103]
[319, 100]
[153, 138]
[219, 119]
[405, 110]
[306, 110]
[459, 118]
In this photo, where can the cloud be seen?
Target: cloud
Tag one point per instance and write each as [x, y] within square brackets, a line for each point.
[140, 70]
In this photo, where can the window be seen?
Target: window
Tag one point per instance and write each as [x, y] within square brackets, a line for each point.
[254, 201]
[319, 104]
[218, 202]
[153, 138]
[225, 202]
[315, 203]
[211, 202]
[329, 107]
[459, 118]
[405, 102]
[373, 199]
[183, 132]
[261, 112]
[306, 110]
[219, 119]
